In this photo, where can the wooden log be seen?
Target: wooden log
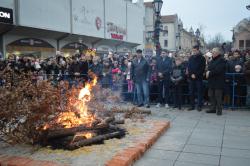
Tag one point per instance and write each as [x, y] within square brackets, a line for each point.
[93, 140]
[52, 134]
[106, 121]
[121, 121]
[133, 111]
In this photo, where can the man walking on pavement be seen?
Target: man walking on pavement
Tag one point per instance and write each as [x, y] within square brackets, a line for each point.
[196, 68]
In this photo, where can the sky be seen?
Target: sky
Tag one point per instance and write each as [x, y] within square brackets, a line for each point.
[216, 16]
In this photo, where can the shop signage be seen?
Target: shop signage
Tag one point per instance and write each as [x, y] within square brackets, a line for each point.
[75, 45]
[6, 15]
[116, 36]
[115, 31]
[31, 42]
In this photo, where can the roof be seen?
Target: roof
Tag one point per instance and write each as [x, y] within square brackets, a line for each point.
[169, 18]
[148, 4]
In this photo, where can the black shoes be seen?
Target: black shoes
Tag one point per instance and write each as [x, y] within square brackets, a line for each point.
[211, 111]
[140, 105]
[191, 109]
[199, 109]
[219, 113]
[147, 106]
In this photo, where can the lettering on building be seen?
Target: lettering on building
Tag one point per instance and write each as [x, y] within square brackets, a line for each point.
[4, 15]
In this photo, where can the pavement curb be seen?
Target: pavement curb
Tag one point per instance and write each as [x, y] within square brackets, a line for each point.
[6, 160]
[129, 155]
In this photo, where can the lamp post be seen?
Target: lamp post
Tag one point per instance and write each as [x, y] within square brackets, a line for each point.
[197, 34]
[157, 9]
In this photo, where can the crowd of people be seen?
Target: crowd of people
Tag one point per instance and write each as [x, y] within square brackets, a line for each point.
[169, 79]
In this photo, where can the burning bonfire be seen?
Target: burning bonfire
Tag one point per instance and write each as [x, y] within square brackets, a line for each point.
[59, 117]
[79, 126]
[80, 114]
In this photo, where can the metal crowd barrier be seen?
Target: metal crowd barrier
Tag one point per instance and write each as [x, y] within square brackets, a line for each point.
[236, 88]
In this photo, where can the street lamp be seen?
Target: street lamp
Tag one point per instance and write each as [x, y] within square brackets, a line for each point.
[157, 4]
[248, 7]
[197, 34]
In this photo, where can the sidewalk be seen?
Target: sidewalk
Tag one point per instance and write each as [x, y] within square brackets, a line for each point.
[200, 139]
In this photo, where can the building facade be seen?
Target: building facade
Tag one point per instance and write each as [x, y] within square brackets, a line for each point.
[173, 36]
[43, 27]
[241, 35]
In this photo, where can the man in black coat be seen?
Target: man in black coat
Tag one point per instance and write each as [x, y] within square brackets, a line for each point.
[140, 75]
[164, 67]
[216, 79]
[196, 68]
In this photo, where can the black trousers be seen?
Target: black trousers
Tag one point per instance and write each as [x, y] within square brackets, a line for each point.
[215, 96]
[164, 91]
[196, 87]
[177, 94]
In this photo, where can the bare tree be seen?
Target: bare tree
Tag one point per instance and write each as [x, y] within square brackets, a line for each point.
[216, 41]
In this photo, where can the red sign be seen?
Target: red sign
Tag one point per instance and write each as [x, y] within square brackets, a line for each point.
[116, 36]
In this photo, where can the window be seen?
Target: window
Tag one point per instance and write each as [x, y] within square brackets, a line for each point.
[241, 44]
[165, 43]
[165, 31]
[247, 44]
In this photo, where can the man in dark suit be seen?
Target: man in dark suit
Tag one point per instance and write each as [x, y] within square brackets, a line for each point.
[164, 66]
[216, 79]
[141, 75]
[196, 68]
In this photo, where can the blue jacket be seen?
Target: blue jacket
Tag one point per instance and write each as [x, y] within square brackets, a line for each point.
[140, 71]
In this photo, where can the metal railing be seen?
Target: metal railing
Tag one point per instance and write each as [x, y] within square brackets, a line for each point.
[235, 85]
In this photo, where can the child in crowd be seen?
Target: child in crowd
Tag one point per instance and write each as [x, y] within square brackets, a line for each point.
[153, 80]
[154, 72]
[116, 75]
[106, 74]
[177, 76]
[128, 75]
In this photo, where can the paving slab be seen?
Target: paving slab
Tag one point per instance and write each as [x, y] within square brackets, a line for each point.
[235, 153]
[202, 149]
[233, 161]
[205, 141]
[199, 158]
[185, 163]
[161, 154]
[154, 162]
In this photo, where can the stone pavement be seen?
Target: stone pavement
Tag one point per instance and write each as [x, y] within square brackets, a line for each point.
[200, 139]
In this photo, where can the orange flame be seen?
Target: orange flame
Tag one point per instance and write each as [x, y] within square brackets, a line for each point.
[81, 116]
